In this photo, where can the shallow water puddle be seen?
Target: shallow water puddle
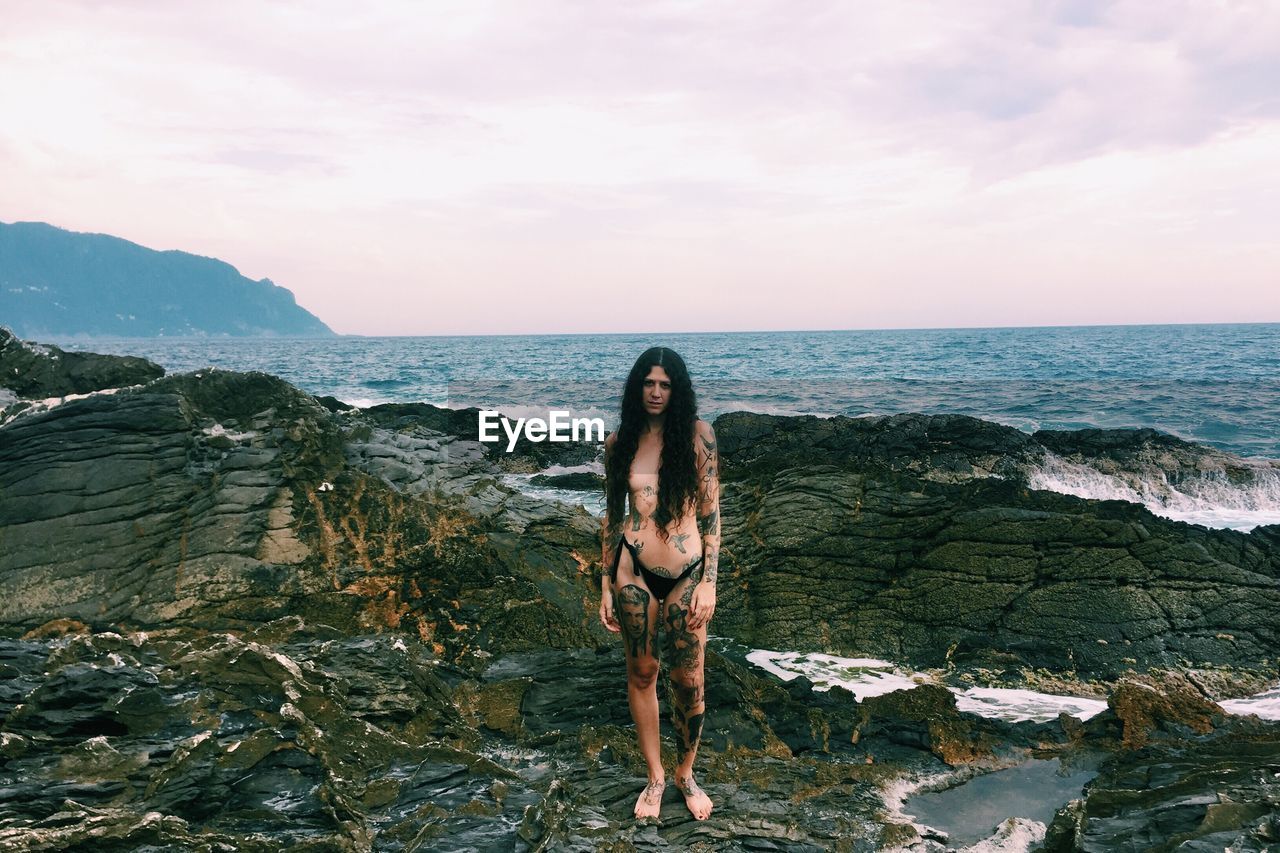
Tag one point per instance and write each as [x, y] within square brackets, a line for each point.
[971, 811]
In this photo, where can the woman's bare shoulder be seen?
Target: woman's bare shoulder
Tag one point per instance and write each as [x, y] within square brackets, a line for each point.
[702, 429]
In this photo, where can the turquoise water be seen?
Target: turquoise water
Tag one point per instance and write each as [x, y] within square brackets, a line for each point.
[1216, 384]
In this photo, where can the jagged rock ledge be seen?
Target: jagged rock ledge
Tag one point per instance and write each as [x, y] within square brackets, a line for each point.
[30, 370]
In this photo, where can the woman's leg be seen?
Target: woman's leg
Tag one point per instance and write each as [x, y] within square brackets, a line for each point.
[685, 653]
[637, 612]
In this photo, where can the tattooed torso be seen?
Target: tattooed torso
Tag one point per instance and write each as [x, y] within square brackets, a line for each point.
[683, 544]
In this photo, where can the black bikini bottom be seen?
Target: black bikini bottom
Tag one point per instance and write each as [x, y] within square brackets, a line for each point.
[659, 585]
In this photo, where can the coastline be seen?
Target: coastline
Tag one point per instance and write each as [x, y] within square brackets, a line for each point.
[414, 645]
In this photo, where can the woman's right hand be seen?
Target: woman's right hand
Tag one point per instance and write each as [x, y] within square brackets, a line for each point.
[607, 618]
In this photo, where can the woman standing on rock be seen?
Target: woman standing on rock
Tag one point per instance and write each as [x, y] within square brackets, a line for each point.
[660, 559]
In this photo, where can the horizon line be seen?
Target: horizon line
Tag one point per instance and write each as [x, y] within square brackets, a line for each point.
[802, 331]
[80, 337]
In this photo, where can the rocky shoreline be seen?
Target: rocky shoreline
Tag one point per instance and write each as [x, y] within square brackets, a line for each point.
[241, 617]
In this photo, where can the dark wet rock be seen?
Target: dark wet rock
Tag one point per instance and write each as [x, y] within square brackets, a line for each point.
[832, 541]
[37, 371]
[1211, 794]
[227, 499]
[926, 718]
[584, 481]
[945, 448]
[247, 741]
[572, 707]
[333, 404]
[297, 735]
[158, 503]
[460, 423]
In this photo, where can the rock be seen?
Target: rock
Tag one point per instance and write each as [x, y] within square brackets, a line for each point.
[333, 404]
[228, 523]
[943, 557]
[1167, 704]
[1150, 456]
[295, 734]
[526, 457]
[158, 502]
[584, 481]
[925, 717]
[32, 370]
[1214, 793]
[942, 448]
[253, 745]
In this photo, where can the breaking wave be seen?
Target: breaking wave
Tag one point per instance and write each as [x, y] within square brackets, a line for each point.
[1211, 498]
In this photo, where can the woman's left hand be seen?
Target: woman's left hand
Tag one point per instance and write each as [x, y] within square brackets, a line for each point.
[702, 605]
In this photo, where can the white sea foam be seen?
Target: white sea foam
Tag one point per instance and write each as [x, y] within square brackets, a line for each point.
[1210, 499]
[592, 501]
[362, 402]
[759, 408]
[864, 677]
[1014, 835]
[586, 468]
[1018, 706]
[37, 348]
[1266, 705]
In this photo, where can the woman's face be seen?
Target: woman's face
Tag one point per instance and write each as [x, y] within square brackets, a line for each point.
[656, 391]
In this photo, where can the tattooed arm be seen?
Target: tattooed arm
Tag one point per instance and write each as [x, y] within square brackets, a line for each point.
[704, 601]
[609, 535]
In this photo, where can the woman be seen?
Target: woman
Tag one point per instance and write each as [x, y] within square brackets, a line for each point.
[661, 557]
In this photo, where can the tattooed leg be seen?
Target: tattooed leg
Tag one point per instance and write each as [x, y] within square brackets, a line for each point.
[685, 651]
[637, 611]
[633, 610]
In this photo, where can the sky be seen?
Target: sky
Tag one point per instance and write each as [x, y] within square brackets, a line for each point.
[528, 166]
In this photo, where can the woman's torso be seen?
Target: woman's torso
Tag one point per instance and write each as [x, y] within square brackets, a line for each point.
[683, 544]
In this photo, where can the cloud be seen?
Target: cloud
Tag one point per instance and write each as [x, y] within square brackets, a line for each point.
[499, 142]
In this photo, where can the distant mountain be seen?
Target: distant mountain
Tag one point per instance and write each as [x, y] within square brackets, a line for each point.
[57, 283]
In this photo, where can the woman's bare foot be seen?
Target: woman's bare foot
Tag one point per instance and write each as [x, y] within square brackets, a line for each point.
[649, 802]
[694, 797]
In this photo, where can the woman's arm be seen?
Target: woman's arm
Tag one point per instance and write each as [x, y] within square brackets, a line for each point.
[609, 534]
[704, 600]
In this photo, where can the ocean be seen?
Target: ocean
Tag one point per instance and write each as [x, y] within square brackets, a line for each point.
[1212, 384]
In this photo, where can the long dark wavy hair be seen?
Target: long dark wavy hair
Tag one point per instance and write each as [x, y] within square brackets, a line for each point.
[678, 469]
